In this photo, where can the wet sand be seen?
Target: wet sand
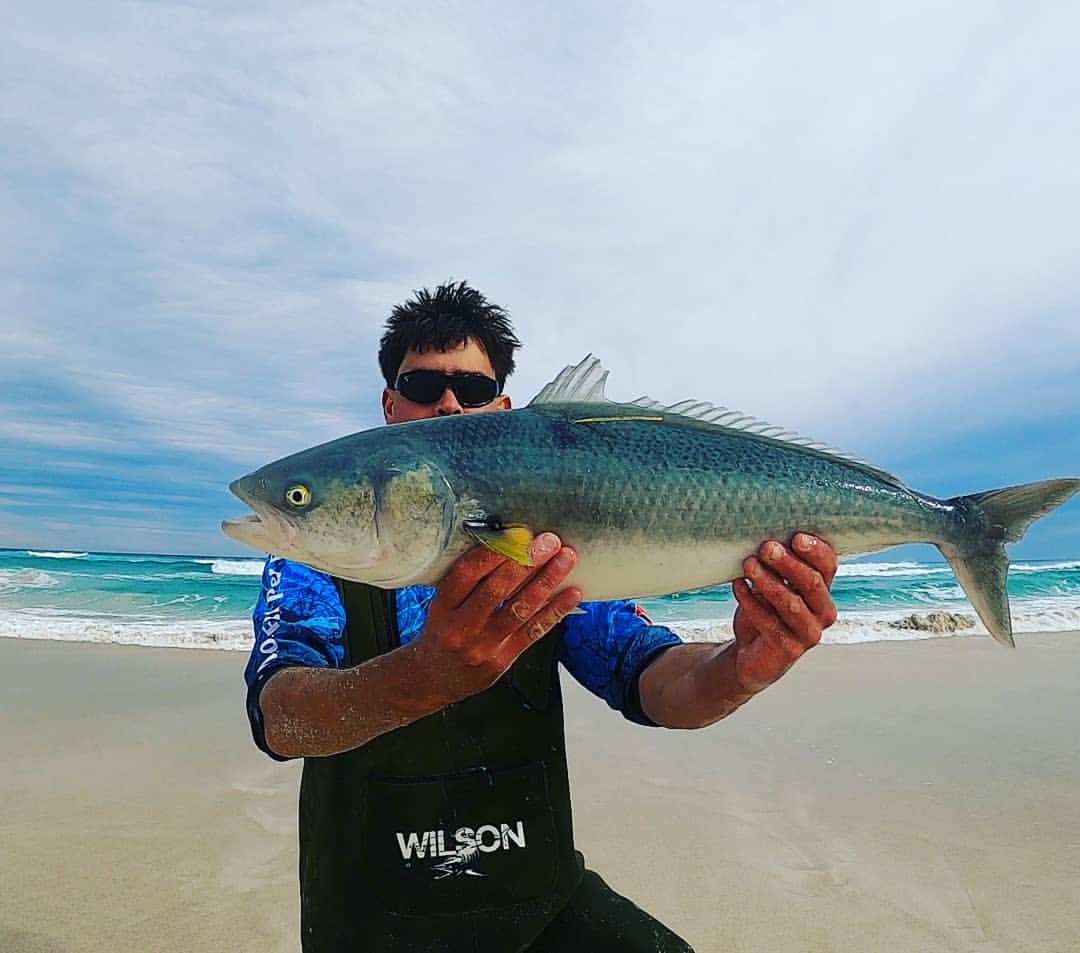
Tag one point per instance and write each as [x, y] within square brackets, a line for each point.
[893, 797]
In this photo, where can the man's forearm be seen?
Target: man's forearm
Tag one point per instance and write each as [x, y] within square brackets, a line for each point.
[692, 685]
[314, 712]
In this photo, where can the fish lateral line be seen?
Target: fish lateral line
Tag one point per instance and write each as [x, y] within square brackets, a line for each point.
[620, 419]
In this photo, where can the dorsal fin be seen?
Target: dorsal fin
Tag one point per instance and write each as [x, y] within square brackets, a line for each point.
[583, 383]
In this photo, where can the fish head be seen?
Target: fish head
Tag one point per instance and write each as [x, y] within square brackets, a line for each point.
[354, 508]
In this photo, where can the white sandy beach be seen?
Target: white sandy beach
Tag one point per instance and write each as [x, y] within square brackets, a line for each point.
[908, 797]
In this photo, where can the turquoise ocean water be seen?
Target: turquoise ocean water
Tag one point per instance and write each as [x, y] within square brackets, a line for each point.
[206, 601]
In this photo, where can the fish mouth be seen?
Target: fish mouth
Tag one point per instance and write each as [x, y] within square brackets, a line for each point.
[265, 529]
[239, 527]
[254, 531]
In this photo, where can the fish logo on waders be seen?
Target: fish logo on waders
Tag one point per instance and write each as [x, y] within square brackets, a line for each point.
[457, 865]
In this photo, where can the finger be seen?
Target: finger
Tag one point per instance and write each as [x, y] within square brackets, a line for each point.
[507, 579]
[795, 619]
[477, 564]
[539, 625]
[479, 606]
[802, 577]
[462, 577]
[761, 619]
[535, 594]
[771, 652]
[818, 553]
[741, 625]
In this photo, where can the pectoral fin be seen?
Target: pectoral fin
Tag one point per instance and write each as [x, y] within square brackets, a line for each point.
[510, 540]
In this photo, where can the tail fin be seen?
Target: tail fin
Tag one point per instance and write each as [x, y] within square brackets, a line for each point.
[983, 567]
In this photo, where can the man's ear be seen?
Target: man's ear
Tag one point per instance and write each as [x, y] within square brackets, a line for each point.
[502, 402]
[387, 404]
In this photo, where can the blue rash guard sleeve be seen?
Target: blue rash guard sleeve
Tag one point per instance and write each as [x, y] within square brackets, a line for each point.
[608, 646]
[299, 620]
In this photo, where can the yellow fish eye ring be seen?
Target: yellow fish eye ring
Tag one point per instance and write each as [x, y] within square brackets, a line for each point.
[298, 496]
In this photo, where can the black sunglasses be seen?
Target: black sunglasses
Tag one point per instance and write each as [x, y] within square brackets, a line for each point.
[426, 387]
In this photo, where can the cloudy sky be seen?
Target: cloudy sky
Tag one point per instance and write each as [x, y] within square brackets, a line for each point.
[855, 220]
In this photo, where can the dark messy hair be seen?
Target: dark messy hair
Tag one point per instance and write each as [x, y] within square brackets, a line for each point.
[443, 319]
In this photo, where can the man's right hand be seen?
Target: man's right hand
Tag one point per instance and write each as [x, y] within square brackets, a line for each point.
[487, 611]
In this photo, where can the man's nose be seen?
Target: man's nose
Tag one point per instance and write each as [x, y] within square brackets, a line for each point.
[448, 404]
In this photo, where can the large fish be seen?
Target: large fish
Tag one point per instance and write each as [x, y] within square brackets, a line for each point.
[654, 499]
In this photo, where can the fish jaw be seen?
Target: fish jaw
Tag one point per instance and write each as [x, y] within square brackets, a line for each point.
[249, 530]
[266, 529]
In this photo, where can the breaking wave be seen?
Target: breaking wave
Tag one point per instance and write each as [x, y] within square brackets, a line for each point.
[1044, 567]
[48, 554]
[855, 628]
[234, 567]
[18, 580]
[887, 570]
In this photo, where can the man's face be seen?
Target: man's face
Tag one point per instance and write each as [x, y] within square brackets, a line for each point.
[468, 357]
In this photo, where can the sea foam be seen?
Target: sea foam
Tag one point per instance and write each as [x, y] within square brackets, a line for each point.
[230, 634]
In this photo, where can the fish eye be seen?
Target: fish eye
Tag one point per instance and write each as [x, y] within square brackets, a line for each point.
[298, 496]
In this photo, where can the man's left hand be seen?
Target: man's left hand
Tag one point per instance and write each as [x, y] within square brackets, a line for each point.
[784, 606]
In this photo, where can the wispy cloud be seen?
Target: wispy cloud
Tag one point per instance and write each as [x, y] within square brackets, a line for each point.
[838, 219]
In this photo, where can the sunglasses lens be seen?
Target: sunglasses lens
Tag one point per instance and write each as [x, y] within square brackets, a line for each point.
[474, 390]
[426, 387]
[422, 387]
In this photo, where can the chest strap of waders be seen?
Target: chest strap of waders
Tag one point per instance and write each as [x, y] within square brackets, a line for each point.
[371, 626]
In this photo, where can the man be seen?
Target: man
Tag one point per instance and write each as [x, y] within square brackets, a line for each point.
[435, 807]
